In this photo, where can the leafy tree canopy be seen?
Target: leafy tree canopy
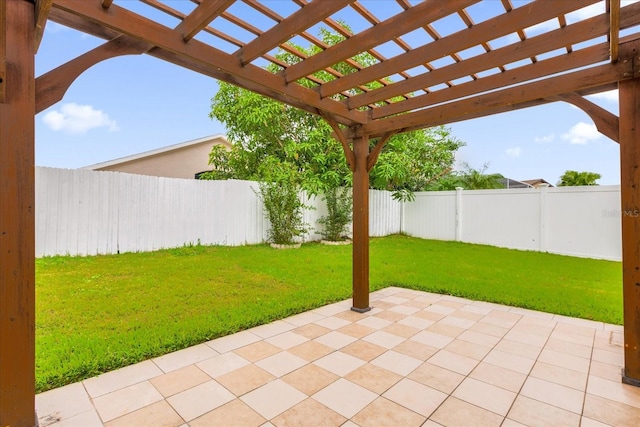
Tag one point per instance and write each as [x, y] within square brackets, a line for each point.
[468, 178]
[574, 178]
[270, 138]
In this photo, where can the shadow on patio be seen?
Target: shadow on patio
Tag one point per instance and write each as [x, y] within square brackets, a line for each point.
[415, 359]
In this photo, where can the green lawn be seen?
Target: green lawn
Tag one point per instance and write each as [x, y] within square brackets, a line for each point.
[96, 314]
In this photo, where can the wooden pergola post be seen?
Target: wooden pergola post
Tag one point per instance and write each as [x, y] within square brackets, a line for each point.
[361, 225]
[17, 214]
[630, 195]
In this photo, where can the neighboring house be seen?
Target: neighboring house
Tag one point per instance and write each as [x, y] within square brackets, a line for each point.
[185, 160]
[537, 183]
[512, 183]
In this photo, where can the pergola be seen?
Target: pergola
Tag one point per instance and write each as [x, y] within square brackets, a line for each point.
[438, 62]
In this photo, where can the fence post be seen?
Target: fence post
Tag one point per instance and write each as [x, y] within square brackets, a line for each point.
[543, 219]
[458, 214]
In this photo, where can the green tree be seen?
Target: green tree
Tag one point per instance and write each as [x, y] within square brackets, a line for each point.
[574, 178]
[468, 178]
[267, 134]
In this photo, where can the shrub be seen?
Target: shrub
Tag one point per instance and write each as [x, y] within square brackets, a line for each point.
[339, 213]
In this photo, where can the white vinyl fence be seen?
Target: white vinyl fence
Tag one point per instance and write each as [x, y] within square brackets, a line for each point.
[577, 221]
[81, 212]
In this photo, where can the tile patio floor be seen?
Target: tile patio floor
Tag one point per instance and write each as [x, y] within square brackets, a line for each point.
[415, 359]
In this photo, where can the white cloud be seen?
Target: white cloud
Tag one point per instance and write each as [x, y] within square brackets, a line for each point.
[611, 96]
[514, 152]
[581, 133]
[545, 139]
[76, 119]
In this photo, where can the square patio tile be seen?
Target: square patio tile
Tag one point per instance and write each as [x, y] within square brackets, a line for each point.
[533, 413]
[345, 397]
[610, 357]
[616, 391]
[436, 377]
[455, 412]
[231, 342]
[396, 362]
[464, 348]
[311, 331]
[606, 371]
[568, 336]
[479, 338]
[121, 402]
[401, 330]
[406, 310]
[385, 413]
[309, 412]
[350, 316]
[519, 349]
[431, 339]
[199, 400]
[63, 403]
[287, 340]
[356, 330]
[445, 329]
[235, 413]
[257, 351]
[498, 376]
[310, 379]
[281, 364]
[272, 329]
[510, 361]
[415, 349]
[85, 419]
[610, 412]
[567, 347]
[373, 378]
[488, 329]
[272, 399]
[555, 374]
[159, 414]
[332, 322]
[339, 363]
[564, 360]
[179, 380]
[384, 339]
[363, 350]
[245, 379]
[487, 396]
[373, 322]
[121, 378]
[415, 396]
[553, 394]
[188, 356]
[310, 350]
[453, 362]
[416, 322]
[335, 340]
[220, 365]
[303, 318]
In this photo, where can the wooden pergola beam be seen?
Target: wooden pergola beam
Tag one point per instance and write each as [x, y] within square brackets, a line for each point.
[499, 26]
[496, 58]
[51, 86]
[17, 217]
[503, 100]
[201, 16]
[197, 55]
[559, 64]
[396, 26]
[614, 31]
[290, 26]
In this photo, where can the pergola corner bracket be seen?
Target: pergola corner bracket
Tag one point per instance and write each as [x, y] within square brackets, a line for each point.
[340, 135]
[606, 122]
[372, 158]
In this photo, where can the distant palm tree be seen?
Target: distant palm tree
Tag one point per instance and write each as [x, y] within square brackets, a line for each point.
[575, 178]
[477, 179]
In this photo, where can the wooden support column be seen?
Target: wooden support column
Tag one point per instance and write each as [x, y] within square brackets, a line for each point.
[630, 195]
[361, 226]
[17, 219]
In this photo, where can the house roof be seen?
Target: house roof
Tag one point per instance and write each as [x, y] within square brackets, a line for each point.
[537, 181]
[219, 138]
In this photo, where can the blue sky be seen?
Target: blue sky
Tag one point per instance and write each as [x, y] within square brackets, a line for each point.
[132, 104]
